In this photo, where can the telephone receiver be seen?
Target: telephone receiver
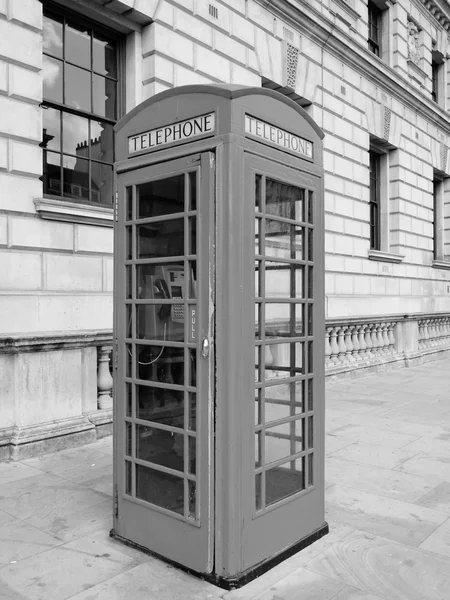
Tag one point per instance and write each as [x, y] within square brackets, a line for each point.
[162, 291]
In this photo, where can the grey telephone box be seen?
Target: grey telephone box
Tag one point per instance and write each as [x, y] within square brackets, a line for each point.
[219, 330]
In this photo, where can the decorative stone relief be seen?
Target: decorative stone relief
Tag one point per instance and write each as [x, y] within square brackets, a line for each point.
[413, 43]
[387, 122]
[290, 65]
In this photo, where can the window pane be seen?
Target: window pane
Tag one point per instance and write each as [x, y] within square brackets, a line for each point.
[161, 447]
[52, 34]
[76, 178]
[285, 400]
[283, 240]
[101, 183]
[285, 480]
[75, 135]
[283, 320]
[78, 46]
[165, 238]
[284, 200]
[283, 360]
[104, 97]
[283, 280]
[102, 141]
[160, 488]
[77, 89]
[51, 137]
[160, 405]
[283, 440]
[162, 197]
[104, 57]
[52, 173]
[53, 79]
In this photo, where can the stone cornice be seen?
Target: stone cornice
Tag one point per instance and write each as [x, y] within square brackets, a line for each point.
[440, 11]
[45, 342]
[309, 21]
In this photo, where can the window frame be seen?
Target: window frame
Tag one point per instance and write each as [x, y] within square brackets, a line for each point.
[64, 15]
[441, 190]
[374, 44]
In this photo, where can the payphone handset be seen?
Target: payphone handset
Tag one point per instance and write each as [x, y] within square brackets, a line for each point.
[169, 283]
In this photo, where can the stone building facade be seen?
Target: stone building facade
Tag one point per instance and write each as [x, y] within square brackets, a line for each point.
[373, 75]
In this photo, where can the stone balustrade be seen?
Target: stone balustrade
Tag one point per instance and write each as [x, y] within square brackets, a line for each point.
[371, 343]
[104, 378]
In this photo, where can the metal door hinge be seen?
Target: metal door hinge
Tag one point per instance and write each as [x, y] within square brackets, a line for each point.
[116, 501]
[116, 206]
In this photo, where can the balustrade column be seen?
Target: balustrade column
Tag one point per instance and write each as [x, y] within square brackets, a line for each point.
[355, 342]
[334, 344]
[348, 344]
[368, 340]
[341, 344]
[328, 350]
[361, 340]
[104, 379]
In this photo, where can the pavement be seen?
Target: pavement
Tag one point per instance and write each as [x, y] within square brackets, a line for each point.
[387, 503]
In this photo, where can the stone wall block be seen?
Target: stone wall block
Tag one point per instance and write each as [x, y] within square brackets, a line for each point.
[243, 76]
[89, 238]
[167, 42]
[3, 230]
[108, 274]
[183, 76]
[269, 53]
[20, 119]
[28, 12]
[3, 154]
[25, 158]
[20, 271]
[88, 379]
[229, 47]
[20, 44]
[242, 29]
[17, 192]
[25, 84]
[212, 64]
[35, 233]
[165, 13]
[308, 78]
[223, 19]
[193, 27]
[7, 398]
[3, 77]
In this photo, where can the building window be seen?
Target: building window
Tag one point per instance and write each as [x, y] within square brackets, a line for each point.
[374, 200]
[437, 75]
[374, 19]
[441, 216]
[80, 71]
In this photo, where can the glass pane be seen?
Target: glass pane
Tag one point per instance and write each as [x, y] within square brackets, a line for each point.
[193, 190]
[128, 284]
[192, 461]
[259, 238]
[284, 200]
[75, 135]
[160, 405]
[310, 282]
[283, 240]
[285, 480]
[283, 280]
[160, 447]
[283, 320]
[192, 266]
[258, 490]
[128, 467]
[311, 207]
[161, 364]
[129, 242]
[52, 173]
[310, 432]
[283, 440]
[77, 88]
[258, 352]
[128, 360]
[104, 97]
[310, 245]
[311, 469]
[101, 183]
[164, 238]
[129, 203]
[104, 57]
[52, 37]
[160, 489]
[192, 500]
[258, 407]
[128, 400]
[162, 197]
[75, 178]
[258, 458]
[78, 46]
[310, 394]
[258, 181]
[128, 439]
[283, 360]
[284, 400]
[128, 321]
[102, 142]
[192, 235]
[52, 73]
[192, 353]
[310, 358]
[192, 399]
[51, 137]
[257, 320]
[258, 278]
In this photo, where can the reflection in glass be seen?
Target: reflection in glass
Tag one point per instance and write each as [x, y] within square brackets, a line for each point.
[128, 320]
[192, 514]
[51, 137]
[129, 203]
[160, 489]
[75, 135]
[284, 200]
[104, 97]
[162, 197]
[284, 440]
[128, 467]
[128, 280]
[52, 173]
[192, 235]
[311, 469]
[257, 320]
[164, 238]
[78, 46]
[192, 353]
[258, 181]
[192, 461]
[161, 447]
[193, 190]
[129, 242]
[128, 361]
[128, 400]
[258, 458]
[284, 481]
[258, 492]
[310, 394]
[258, 407]
[283, 280]
[283, 360]
[77, 88]
[285, 400]
[310, 245]
[310, 432]
[259, 241]
[162, 364]
[53, 79]
[104, 57]
[258, 351]
[101, 183]
[310, 358]
[192, 409]
[52, 36]
[258, 278]
[102, 142]
[283, 320]
[128, 438]
[75, 178]
[283, 240]
[160, 405]
[311, 207]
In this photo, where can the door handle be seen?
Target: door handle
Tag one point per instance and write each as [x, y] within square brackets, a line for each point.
[205, 347]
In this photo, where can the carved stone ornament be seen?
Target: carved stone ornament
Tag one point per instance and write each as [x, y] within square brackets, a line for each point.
[413, 43]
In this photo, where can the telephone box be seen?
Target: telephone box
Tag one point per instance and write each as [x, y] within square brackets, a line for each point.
[219, 330]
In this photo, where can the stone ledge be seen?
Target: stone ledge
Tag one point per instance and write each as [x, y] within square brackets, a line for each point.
[385, 256]
[440, 264]
[47, 341]
[58, 209]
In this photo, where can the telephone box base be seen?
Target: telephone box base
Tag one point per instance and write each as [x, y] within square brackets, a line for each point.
[232, 583]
